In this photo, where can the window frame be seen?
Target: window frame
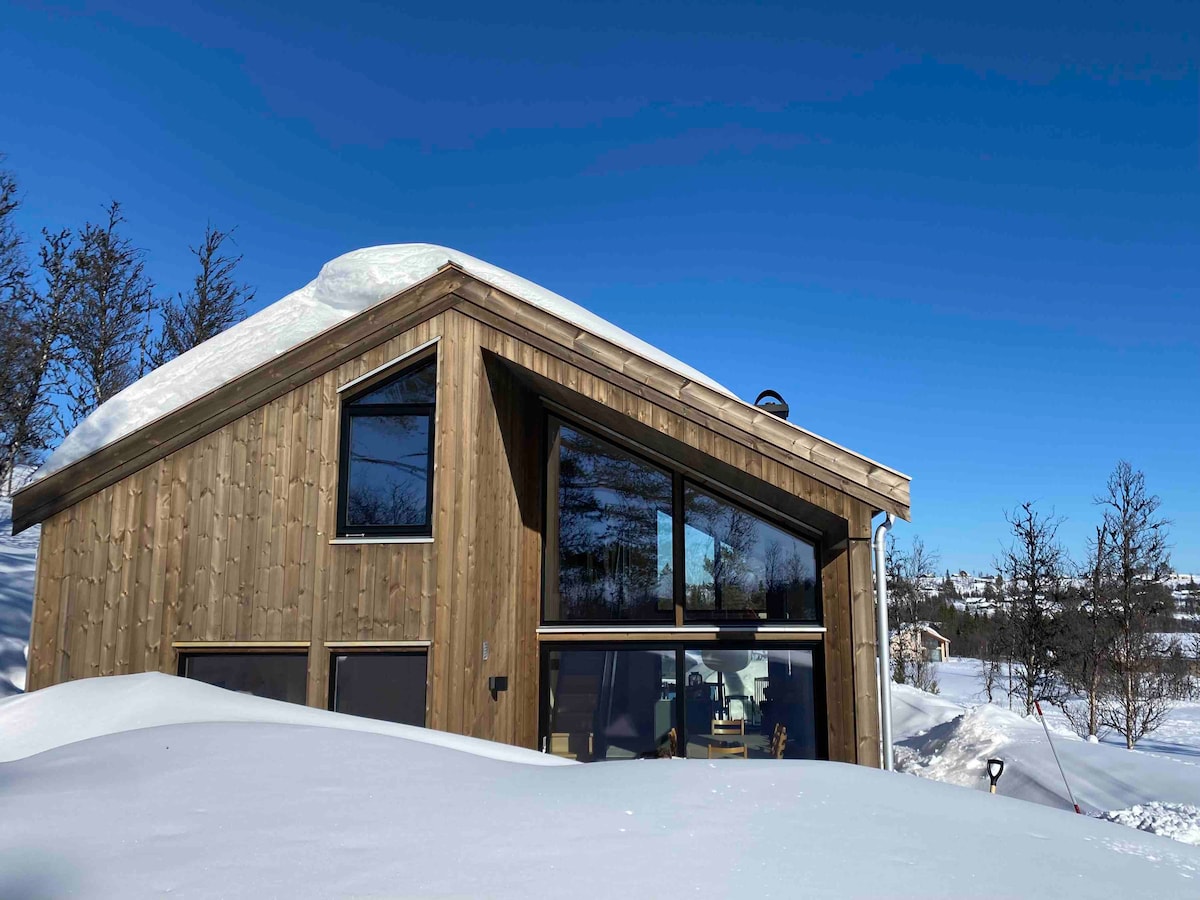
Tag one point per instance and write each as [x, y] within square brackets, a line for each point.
[681, 476]
[550, 507]
[692, 618]
[184, 654]
[349, 411]
[335, 651]
[679, 644]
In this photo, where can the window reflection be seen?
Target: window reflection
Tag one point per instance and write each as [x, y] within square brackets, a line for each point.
[614, 533]
[738, 566]
[610, 704]
[277, 676]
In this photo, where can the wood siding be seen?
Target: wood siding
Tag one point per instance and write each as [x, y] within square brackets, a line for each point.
[228, 538]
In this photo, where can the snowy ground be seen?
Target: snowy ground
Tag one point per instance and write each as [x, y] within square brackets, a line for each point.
[257, 809]
[18, 557]
[950, 736]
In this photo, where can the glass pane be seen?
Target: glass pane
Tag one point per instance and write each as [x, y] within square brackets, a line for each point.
[739, 567]
[278, 676]
[389, 470]
[610, 704]
[736, 698]
[415, 386]
[614, 534]
[389, 686]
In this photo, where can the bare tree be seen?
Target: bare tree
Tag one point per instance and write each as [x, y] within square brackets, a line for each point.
[40, 314]
[1084, 647]
[1033, 565]
[1139, 559]
[213, 303]
[108, 329]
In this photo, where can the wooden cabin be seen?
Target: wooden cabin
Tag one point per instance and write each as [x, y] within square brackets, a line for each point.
[920, 641]
[461, 508]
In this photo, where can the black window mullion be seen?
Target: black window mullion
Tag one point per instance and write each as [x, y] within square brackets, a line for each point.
[678, 547]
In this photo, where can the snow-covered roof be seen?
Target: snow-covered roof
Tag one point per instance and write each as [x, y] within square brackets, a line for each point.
[343, 288]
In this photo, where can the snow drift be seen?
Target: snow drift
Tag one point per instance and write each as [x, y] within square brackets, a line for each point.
[243, 809]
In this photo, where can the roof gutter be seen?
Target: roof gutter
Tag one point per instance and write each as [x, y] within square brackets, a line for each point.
[883, 638]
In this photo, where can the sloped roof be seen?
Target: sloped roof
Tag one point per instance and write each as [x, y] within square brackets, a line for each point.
[353, 298]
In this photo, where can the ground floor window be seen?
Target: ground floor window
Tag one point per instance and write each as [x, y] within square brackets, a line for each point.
[380, 685]
[277, 676]
[627, 701]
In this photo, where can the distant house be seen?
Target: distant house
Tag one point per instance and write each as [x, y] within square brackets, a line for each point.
[425, 489]
[920, 639]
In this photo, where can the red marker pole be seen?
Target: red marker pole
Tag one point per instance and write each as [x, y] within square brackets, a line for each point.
[1046, 728]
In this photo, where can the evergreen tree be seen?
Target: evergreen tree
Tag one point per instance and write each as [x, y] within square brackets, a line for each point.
[213, 303]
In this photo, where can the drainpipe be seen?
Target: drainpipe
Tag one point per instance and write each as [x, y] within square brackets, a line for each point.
[885, 650]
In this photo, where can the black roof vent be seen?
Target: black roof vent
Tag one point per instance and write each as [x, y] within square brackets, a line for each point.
[773, 404]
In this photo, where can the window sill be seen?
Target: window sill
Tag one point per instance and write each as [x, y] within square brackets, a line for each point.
[397, 539]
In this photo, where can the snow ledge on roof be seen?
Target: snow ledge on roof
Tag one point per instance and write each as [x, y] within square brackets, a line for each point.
[343, 288]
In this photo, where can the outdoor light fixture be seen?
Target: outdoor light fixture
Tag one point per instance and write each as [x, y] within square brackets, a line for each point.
[995, 768]
[497, 683]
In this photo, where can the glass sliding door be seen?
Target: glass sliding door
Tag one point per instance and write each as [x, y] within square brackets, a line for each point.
[736, 698]
[625, 701]
[609, 703]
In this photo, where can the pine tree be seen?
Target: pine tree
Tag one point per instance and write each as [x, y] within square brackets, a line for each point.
[108, 328]
[213, 303]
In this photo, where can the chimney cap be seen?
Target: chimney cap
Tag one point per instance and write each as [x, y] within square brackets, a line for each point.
[774, 404]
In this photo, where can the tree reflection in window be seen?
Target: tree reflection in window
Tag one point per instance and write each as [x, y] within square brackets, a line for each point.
[387, 455]
[614, 534]
[738, 566]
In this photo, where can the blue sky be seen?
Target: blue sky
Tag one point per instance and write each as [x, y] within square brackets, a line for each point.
[964, 242]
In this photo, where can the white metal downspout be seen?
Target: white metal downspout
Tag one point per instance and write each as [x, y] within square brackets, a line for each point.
[885, 650]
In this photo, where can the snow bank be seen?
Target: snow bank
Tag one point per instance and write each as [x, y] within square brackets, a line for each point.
[939, 739]
[79, 710]
[344, 287]
[254, 810]
[1178, 821]
[18, 557]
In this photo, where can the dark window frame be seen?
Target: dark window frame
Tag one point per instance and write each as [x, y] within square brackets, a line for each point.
[680, 478]
[550, 505]
[335, 652]
[680, 644]
[349, 411]
[691, 617]
[184, 655]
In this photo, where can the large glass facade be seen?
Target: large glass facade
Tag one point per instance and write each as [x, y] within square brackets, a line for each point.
[387, 456]
[739, 566]
[619, 530]
[742, 702]
[380, 685]
[277, 676]
[610, 545]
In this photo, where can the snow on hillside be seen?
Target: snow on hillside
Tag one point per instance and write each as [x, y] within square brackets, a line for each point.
[18, 556]
[247, 809]
[949, 737]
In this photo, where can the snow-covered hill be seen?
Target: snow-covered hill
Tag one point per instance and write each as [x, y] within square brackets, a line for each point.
[246, 809]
